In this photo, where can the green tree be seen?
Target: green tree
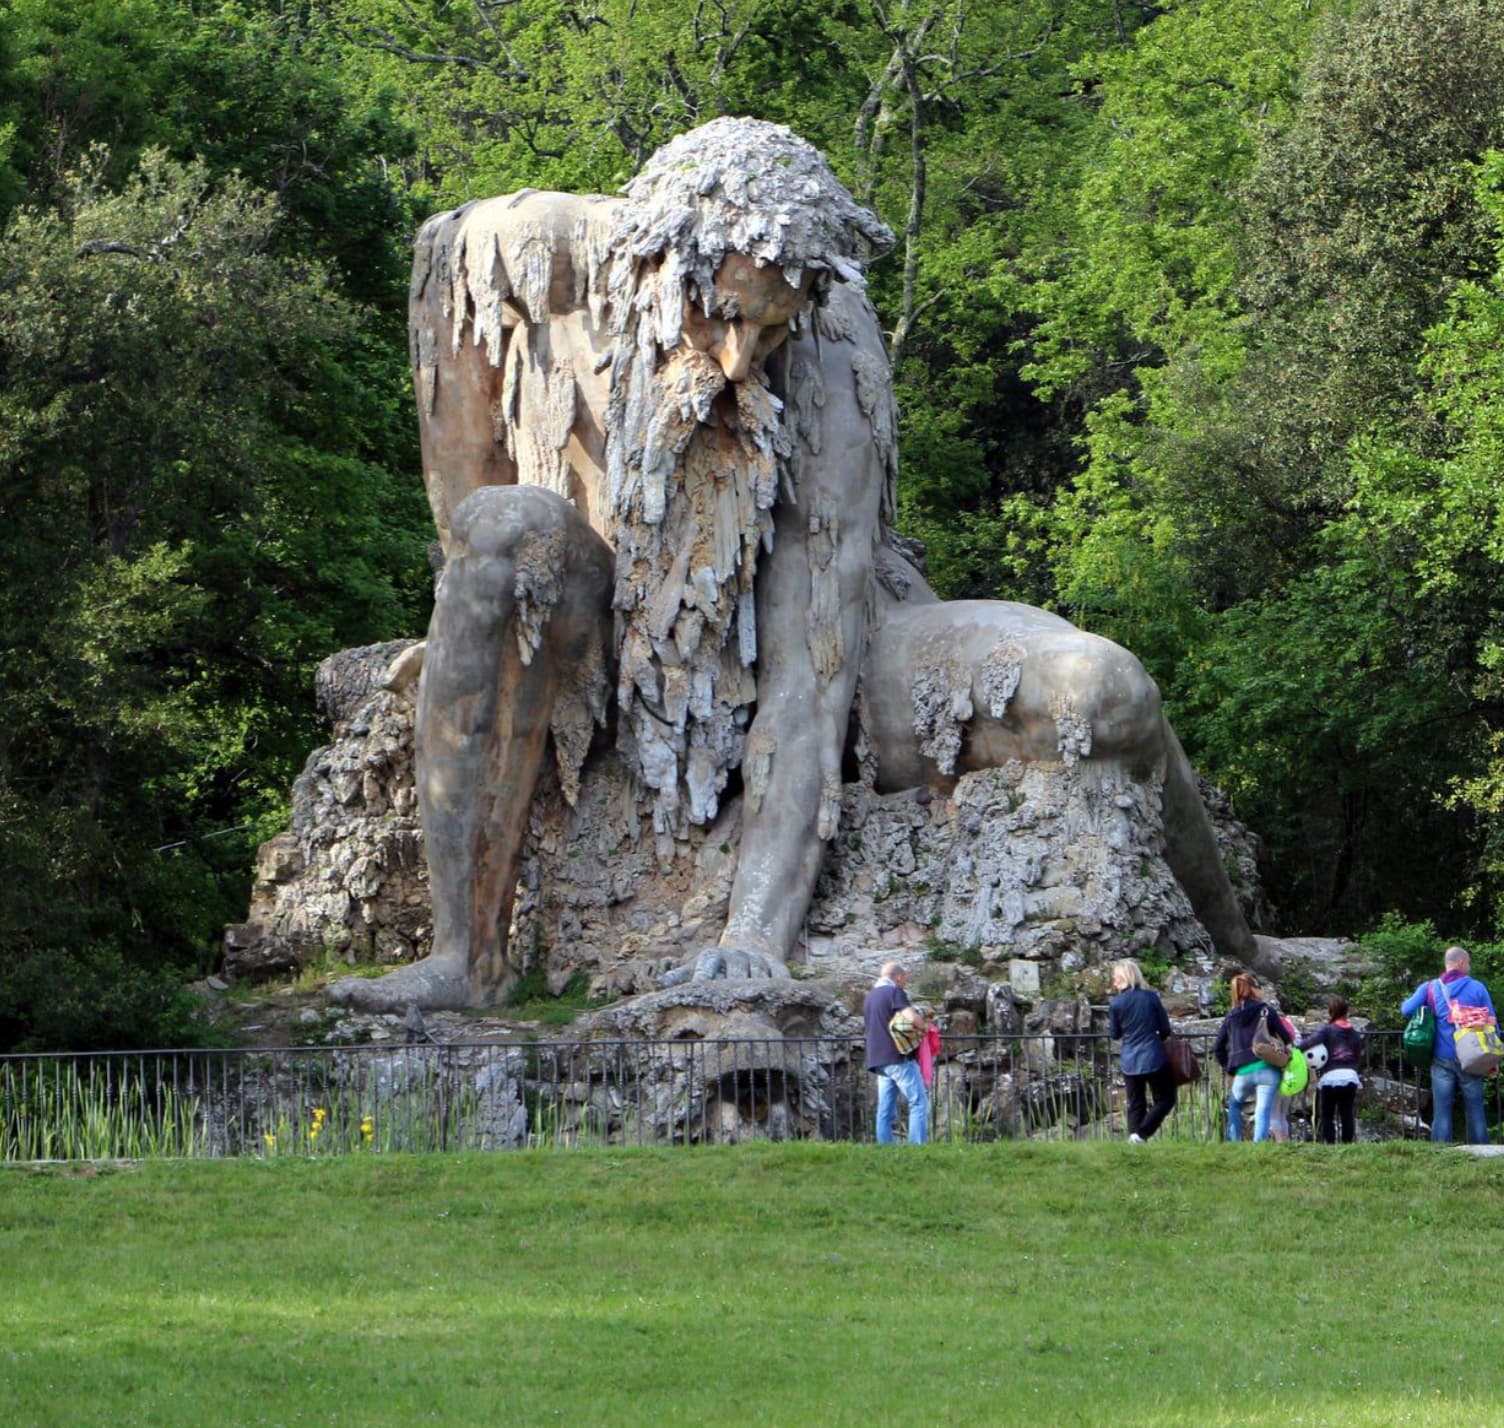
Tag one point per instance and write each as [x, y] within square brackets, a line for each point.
[1236, 521]
[258, 89]
[187, 527]
[1358, 220]
[1140, 310]
[1435, 508]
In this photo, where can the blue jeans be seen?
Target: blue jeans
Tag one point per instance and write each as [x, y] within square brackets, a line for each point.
[1446, 1077]
[1264, 1087]
[902, 1079]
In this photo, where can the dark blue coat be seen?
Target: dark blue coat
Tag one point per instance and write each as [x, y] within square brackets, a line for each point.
[1138, 1017]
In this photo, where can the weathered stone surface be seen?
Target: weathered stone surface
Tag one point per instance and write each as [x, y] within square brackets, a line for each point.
[1060, 1017]
[1002, 1014]
[348, 878]
[967, 992]
[962, 1022]
[1242, 850]
[252, 955]
[1042, 861]
[729, 1010]
[1321, 963]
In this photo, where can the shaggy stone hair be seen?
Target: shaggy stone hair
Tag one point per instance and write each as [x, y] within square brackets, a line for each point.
[731, 186]
[735, 186]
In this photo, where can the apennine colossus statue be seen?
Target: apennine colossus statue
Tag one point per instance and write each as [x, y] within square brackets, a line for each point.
[658, 438]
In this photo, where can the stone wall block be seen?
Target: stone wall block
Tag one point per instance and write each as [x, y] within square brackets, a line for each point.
[1001, 1010]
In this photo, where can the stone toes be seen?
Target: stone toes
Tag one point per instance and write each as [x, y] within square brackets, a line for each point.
[710, 965]
[739, 966]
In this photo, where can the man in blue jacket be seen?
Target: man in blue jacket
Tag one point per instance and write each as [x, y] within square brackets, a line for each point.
[1453, 986]
[897, 1074]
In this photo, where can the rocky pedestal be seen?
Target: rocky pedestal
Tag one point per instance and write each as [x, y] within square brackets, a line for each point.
[347, 879]
[1043, 873]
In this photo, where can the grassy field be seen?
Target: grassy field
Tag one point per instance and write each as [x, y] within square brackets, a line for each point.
[801, 1284]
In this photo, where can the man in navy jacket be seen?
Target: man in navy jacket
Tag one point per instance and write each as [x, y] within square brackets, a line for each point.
[897, 1074]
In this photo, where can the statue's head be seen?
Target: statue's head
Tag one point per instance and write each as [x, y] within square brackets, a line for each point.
[729, 232]
[725, 239]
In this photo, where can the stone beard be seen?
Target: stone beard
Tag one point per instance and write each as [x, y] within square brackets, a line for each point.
[696, 467]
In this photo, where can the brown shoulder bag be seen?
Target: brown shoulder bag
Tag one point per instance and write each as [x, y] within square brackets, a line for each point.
[1268, 1047]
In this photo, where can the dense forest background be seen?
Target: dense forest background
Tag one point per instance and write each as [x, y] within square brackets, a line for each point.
[1197, 314]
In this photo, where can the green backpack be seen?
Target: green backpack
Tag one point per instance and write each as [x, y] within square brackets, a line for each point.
[1419, 1039]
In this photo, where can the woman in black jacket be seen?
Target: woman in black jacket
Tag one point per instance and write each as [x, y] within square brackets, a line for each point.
[1136, 1016]
[1248, 1075]
[1341, 1048]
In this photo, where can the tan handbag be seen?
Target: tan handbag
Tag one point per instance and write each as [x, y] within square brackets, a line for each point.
[1268, 1047]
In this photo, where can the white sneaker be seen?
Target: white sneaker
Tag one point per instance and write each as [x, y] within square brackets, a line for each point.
[1136, 1139]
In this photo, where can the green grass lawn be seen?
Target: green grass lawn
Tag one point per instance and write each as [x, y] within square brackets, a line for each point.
[799, 1284]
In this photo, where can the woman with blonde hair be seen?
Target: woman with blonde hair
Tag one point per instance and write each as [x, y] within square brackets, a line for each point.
[1137, 1015]
[1248, 1074]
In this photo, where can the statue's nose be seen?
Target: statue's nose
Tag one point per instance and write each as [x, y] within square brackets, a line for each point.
[737, 349]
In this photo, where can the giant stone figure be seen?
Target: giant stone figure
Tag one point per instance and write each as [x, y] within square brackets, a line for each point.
[658, 439]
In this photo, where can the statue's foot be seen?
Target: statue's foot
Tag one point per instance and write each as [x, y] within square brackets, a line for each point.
[431, 985]
[732, 964]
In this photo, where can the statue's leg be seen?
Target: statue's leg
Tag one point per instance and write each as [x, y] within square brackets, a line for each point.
[524, 600]
[953, 687]
[812, 593]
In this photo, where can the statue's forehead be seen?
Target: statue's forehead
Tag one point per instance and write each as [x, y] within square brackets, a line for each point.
[759, 292]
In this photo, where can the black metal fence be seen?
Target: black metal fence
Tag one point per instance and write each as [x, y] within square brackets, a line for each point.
[493, 1096]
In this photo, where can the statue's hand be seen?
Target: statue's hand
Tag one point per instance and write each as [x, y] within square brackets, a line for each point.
[727, 963]
[402, 673]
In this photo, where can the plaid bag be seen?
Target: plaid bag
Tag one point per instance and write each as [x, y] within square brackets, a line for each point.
[906, 1027]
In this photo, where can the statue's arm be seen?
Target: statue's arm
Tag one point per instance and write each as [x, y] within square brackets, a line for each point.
[813, 594]
[530, 262]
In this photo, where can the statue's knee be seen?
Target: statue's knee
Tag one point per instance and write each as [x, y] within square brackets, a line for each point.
[1122, 698]
[522, 542]
[496, 522]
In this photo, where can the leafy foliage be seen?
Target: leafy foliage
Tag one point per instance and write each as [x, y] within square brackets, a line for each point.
[187, 527]
[1401, 955]
[206, 460]
[1243, 518]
